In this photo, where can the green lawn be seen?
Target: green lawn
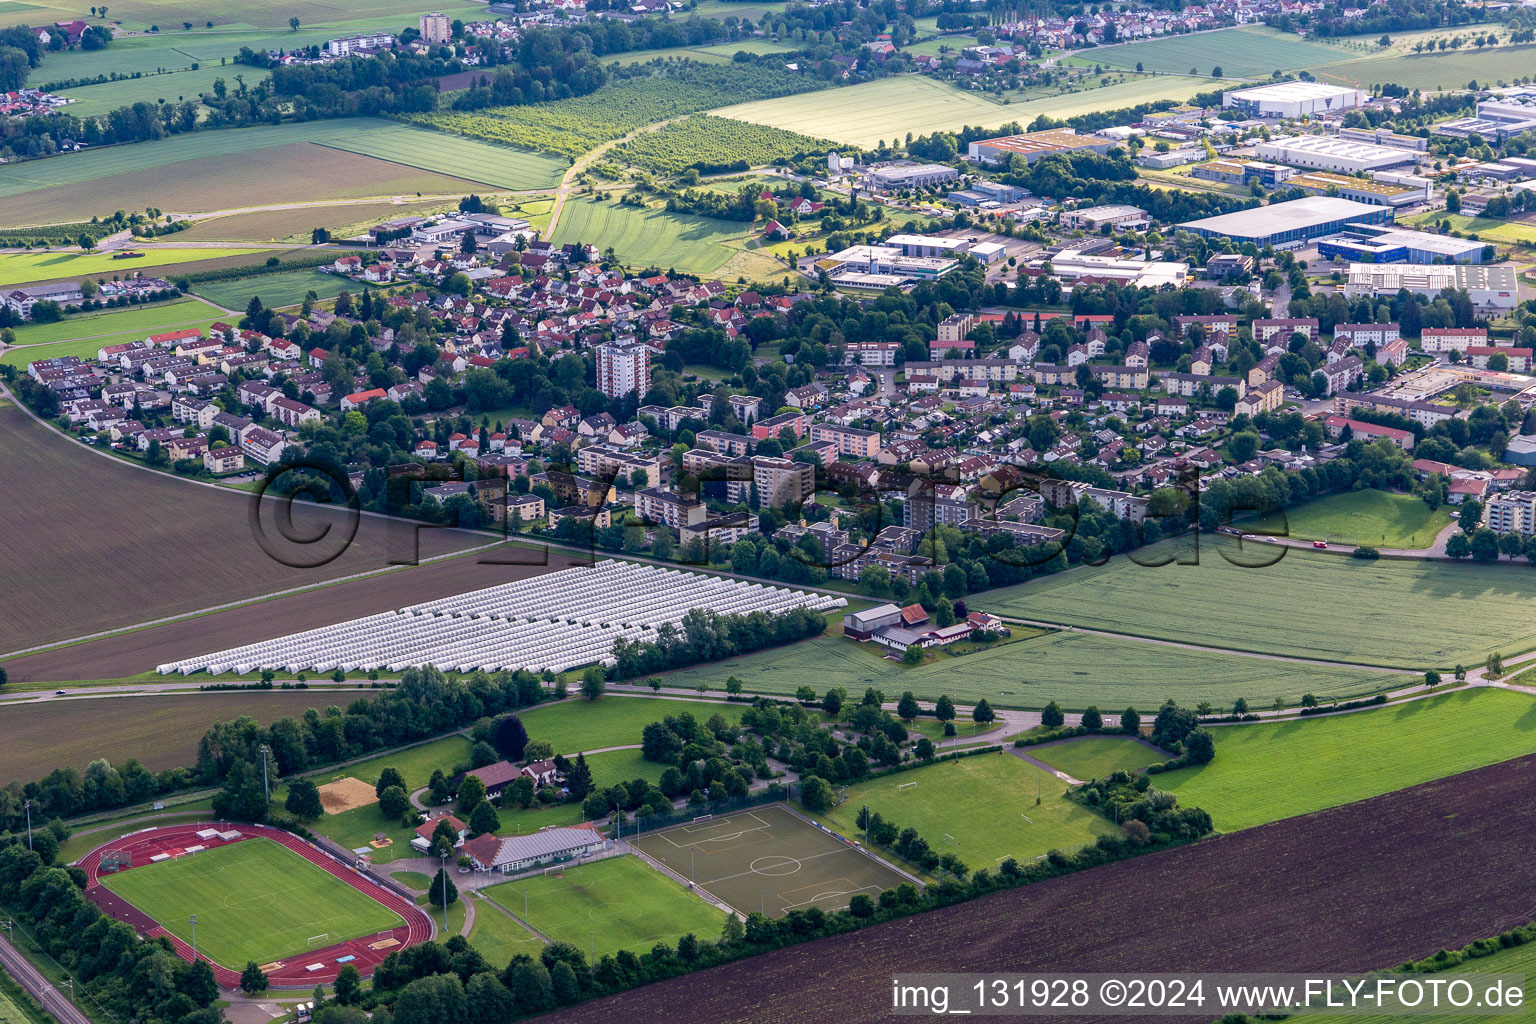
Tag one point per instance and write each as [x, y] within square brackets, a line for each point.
[1375, 518]
[415, 764]
[498, 937]
[1410, 614]
[983, 803]
[613, 720]
[1514, 960]
[92, 332]
[20, 268]
[284, 288]
[254, 900]
[650, 237]
[91, 100]
[1449, 69]
[414, 879]
[609, 905]
[1075, 669]
[1267, 771]
[1093, 757]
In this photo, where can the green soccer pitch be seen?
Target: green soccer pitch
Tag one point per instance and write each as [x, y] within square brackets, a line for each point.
[254, 901]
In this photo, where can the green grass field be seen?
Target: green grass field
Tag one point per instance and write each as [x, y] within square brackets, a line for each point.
[103, 329]
[1401, 613]
[16, 1007]
[498, 937]
[1487, 228]
[1267, 771]
[1246, 52]
[285, 288]
[651, 237]
[609, 905]
[983, 803]
[1371, 517]
[501, 166]
[891, 107]
[174, 87]
[415, 764]
[1514, 960]
[1093, 757]
[254, 900]
[611, 721]
[1073, 668]
[1451, 69]
[414, 879]
[24, 267]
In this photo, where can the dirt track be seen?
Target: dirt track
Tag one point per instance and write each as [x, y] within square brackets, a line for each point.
[1351, 888]
[128, 654]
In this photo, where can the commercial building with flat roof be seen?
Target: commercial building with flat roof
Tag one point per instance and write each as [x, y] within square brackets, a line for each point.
[1293, 99]
[1331, 153]
[1491, 288]
[1509, 112]
[1034, 145]
[1370, 244]
[899, 176]
[1298, 220]
[1361, 190]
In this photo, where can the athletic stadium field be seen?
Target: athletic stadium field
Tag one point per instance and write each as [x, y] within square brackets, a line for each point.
[769, 859]
[260, 895]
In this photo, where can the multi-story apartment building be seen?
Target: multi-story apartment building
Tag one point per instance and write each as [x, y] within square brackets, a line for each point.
[623, 367]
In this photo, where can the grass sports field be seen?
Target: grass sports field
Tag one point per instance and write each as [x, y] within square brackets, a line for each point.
[985, 803]
[286, 288]
[1371, 517]
[1246, 52]
[21, 268]
[609, 905]
[1093, 757]
[1407, 614]
[1267, 771]
[769, 859]
[651, 237]
[576, 725]
[891, 107]
[253, 899]
[1074, 668]
[497, 936]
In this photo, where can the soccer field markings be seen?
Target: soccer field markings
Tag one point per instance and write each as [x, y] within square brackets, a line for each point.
[823, 894]
[761, 874]
[720, 838]
[789, 864]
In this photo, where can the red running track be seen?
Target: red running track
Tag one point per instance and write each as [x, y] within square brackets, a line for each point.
[295, 971]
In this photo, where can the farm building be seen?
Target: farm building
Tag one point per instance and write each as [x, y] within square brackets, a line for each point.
[1293, 100]
[1330, 153]
[1298, 220]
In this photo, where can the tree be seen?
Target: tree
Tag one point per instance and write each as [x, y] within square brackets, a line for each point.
[1495, 665]
[733, 684]
[303, 800]
[199, 984]
[393, 802]
[592, 683]
[5, 676]
[349, 985]
[252, 980]
[431, 1000]
[907, 708]
[387, 778]
[509, 737]
[1199, 747]
[983, 712]
[1092, 719]
[832, 703]
[1052, 717]
[579, 779]
[1485, 545]
[520, 792]
[1431, 679]
[1130, 722]
[471, 793]
[293, 23]
[441, 883]
[1471, 515]
[488, 1000]
[816, 793]
[243, 798]
[944, 709]
[913, 655]
[1458, 546]
[1240, 706]
[484, 820]
[923, 749]
[861, 906]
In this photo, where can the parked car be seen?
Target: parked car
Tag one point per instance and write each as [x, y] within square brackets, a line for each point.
[1320, 544]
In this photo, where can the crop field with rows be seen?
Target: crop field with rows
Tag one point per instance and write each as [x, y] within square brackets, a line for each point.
[716, 143]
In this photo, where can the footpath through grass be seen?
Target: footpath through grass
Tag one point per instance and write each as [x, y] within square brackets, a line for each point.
[609, 905]
[1267, 771]
[254, 900]
[985, 804]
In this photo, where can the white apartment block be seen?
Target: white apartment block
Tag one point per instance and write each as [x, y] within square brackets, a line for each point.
[623, 367]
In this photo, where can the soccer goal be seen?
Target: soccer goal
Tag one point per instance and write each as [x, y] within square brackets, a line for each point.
[703, 818]
[906, 786]
[320, 941]
[558, 871]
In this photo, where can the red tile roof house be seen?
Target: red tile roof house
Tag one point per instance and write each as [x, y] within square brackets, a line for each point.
[424, 831]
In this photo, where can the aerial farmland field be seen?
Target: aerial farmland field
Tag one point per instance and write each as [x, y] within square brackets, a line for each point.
[1075, 669]
[1248, 901]
[296, 225]
[1449, 69]
[287, 288]
[1405, 614]
[20, 268]
[195, 540]
[159, 730]
[170, 88]
[1243, 52]
[613, 720]
[1267, 771]
[650, 237]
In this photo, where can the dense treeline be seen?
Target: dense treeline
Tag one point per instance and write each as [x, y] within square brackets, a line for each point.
[1393, 16]
[707, 635]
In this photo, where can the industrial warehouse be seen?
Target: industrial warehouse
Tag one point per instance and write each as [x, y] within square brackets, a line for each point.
[1294, 222]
